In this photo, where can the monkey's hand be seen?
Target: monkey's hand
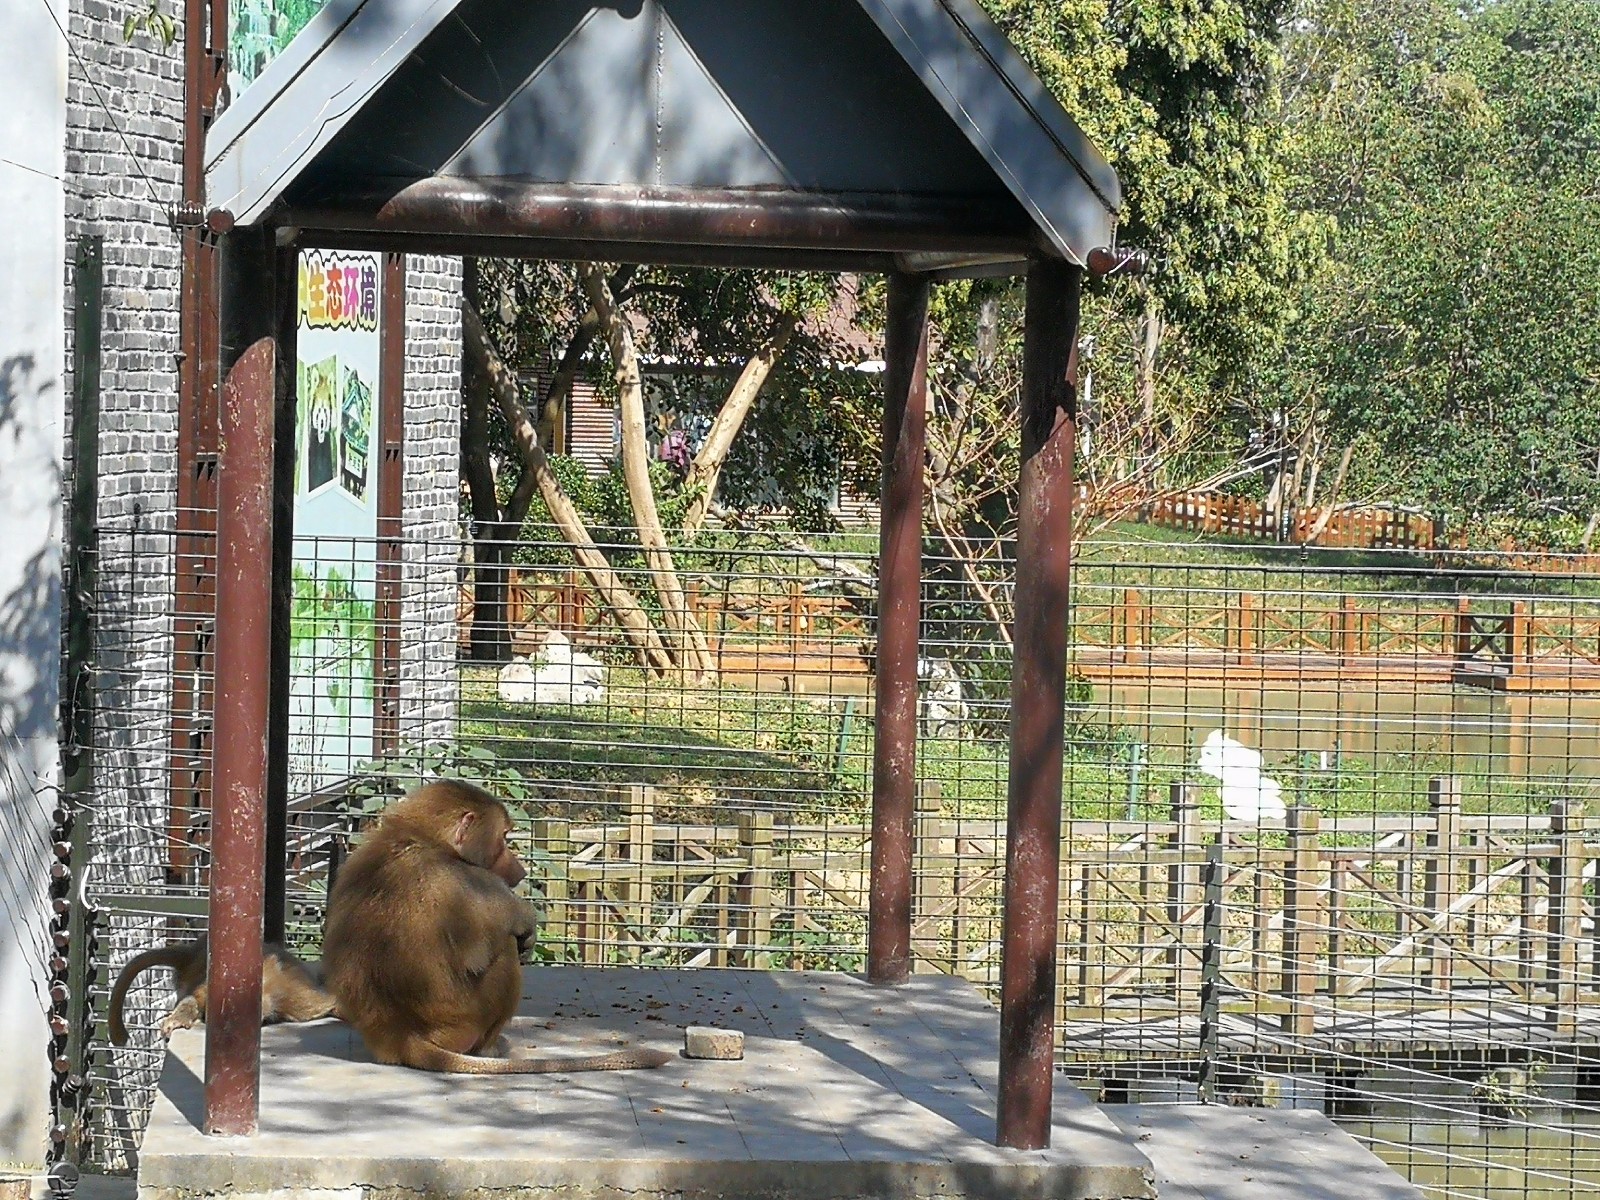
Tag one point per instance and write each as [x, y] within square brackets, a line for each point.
[523, 927]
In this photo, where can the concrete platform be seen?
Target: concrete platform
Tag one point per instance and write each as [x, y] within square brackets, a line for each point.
[1214, 1152]
[845, 1091]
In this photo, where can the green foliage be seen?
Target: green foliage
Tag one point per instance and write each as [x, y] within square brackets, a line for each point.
[694, 330]
[377, 784]
[1452, 334]
[330, 622]
[738, 746]
[1181, 99]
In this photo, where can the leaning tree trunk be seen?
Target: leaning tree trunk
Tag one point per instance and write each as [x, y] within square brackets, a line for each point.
[616, 596]
[1331, 506]
[693, 654]
[706, 469]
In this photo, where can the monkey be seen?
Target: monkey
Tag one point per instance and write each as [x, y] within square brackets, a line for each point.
[424, 938]
[289, 989]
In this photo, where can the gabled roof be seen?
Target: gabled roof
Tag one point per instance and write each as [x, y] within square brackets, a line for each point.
[911, 124]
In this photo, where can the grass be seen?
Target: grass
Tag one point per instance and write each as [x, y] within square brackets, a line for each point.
[1128, 554]
[723, 746]
[712, 752]
[732, 747]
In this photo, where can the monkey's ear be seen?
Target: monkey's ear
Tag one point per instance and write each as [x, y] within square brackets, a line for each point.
[463, 829]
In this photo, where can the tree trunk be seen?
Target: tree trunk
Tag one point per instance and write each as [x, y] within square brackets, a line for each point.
[1300, 455]
[1326, 515]
[1313, 475]
[623, 604]
[693, 654]
[489, 638]
[1151, 344]
[707, 466]
[553, 408]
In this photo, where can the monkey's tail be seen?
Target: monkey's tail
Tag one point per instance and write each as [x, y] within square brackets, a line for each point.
[426, 1056]
[161, 956]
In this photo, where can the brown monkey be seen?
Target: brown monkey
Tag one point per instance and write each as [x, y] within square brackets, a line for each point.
[289, 991]
[424, 935]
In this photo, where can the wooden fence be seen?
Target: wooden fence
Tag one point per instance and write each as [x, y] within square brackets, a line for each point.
[1219, 514]
[1380, 914]
[1510, 644]
[781, 628]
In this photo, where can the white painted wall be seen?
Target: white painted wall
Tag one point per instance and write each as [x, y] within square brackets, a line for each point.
[33, 62]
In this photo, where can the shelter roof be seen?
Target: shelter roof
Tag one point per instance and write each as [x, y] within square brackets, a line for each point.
[839, 133]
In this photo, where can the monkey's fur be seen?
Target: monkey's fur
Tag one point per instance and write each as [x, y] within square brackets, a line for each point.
[424, 937]
[289, 990]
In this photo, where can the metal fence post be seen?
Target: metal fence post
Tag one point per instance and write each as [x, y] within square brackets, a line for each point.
[1038, 692]
[933, 871]
[554, 836]
[894, 765]
[1183, 885]
[1211, 969]
[73, 917]
[1566, 911]
[754, 893]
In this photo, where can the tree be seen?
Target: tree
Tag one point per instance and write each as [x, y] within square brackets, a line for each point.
[1450, 340]
[1183, 100]
[733, 337]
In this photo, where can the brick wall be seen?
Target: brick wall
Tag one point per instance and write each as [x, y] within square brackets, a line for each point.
[432, 506]
[123, 163]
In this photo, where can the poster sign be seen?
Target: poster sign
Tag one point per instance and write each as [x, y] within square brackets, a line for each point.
[258, 30]
[332, 627]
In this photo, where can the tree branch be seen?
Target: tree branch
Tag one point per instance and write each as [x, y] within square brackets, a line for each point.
[694, 655]
[707, 466]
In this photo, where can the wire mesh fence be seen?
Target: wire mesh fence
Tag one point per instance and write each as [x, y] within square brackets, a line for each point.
[1325, 842]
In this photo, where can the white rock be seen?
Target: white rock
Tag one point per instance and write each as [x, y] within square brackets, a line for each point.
[704, 1041]
[560, 675]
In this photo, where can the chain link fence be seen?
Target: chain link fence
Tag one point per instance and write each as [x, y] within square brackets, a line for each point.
[1326, 841]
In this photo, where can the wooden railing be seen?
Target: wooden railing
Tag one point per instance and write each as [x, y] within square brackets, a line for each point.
[786, 629]
[1379, 914]
[1511, 642]
[1219, 514]
[784, 621]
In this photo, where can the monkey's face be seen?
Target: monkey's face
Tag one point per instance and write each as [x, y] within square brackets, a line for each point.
[480, 838]
[506, 864]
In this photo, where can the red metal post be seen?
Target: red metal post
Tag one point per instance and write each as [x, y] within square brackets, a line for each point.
[250, 331]
[894, 755]
[1038, 705]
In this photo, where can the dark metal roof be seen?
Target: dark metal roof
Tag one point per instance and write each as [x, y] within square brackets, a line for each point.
[906, 130]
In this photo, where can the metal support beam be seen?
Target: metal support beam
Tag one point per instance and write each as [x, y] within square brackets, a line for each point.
[391, 499]
[708, 216]
[77, 682]
[894, 754]
[251, 294]
[468, 245]
[1038, 704]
